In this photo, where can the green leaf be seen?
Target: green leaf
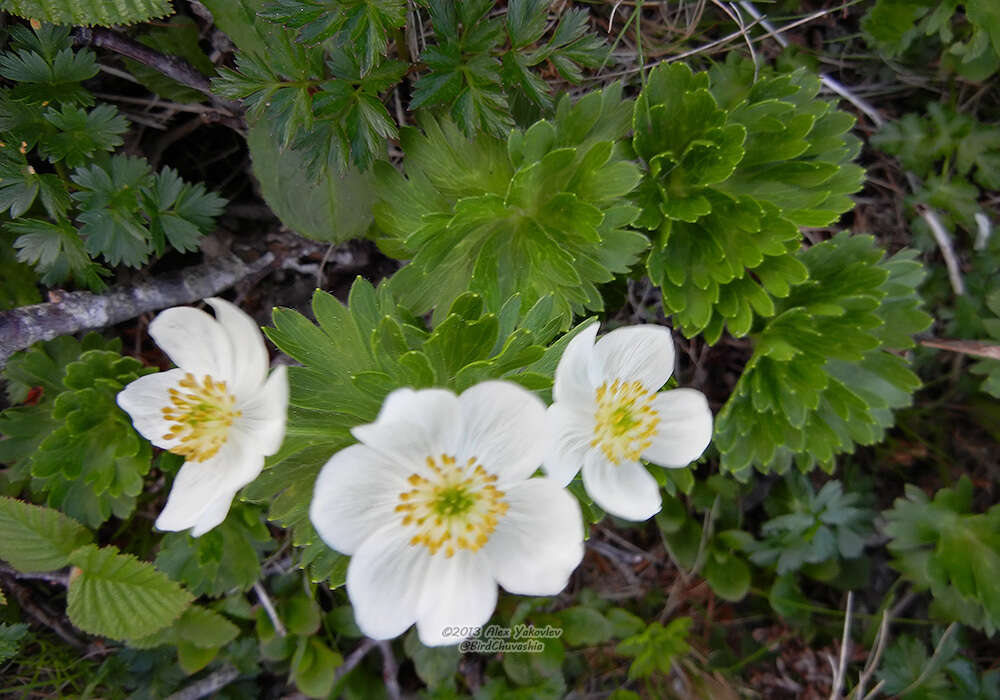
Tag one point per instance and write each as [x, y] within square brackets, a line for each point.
[225, 558]
[941, 546]
[335, 207]
[89, 12]
[541, 215]
[33, 538]
[10, 639]
[80, 447]
[434, 665]
[583, 626]
[109, 210]
[116, 595]
[656, 648]
[734, 165]
[728, 575]
[820, 380]
[79, 134]
[314, 667]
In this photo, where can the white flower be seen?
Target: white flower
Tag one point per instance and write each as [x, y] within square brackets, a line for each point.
[436, 507]
[606, 415]
[218, 409]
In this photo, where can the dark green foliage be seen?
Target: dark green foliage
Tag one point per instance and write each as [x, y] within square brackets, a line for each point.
[942, 546]
[656, 648]
[225, 558]
[18, 283]
[327, 106]
[943, 675]
[124, 212]
[486, 76]
[734, 167]
[811, 528]
[75, 444]
[954, 154]
[970, 40]
[363, 25]
[991, 368]
[357, 355]
[10, 639]
[541, 214]
[464, 73]
[820, 379]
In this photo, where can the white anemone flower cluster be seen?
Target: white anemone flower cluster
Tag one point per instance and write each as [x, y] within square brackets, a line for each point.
[436, 506]
[607, 415]
[218, 408]
[439, 502]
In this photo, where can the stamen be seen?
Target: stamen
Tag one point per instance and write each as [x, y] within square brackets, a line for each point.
[201, 414]
[458, 507]
[625, 421]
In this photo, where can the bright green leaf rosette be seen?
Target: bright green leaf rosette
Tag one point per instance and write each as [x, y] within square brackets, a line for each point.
[733, 168]
[544, 213]
[821, 378]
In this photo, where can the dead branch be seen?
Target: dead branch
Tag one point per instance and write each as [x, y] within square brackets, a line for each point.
[72, 312]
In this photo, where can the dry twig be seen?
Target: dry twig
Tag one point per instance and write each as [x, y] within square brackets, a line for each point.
[80, 311]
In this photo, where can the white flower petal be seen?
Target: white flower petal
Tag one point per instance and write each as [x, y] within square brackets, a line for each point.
[198, 485]
[504, 429]
[573, 380]
[195, 342]
[625, 490]
[264, 414]
[571, 431]
[539, 542]
[144, 401]
[684, 430]
[635, 353]
[356, 493]
[414, 425]
[459, 592]
[249, 352]
[214, 514]
[385, 580]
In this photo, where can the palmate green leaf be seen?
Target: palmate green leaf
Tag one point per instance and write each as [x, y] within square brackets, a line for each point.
[820, 379]
[33, 538]
[656, 648]
[355, 355]
[807, 527]
[464, 74]
[940, 545]
[56, 251]
[111, 223]
[733, 168]
[545, 214]
[116, 595]
[89, 12]
[179, 213]
[78, 134]
[45, 68]
[277, 86]
[364, 25]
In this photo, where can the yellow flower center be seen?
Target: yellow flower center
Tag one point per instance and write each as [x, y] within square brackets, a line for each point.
[625, 421]
[456, 508]
[201, 415]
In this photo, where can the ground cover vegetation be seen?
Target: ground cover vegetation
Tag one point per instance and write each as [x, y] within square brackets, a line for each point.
[474, 220]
